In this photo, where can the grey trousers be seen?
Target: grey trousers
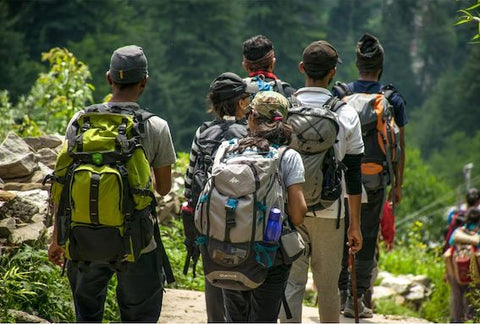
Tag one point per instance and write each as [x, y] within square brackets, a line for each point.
[326, 245]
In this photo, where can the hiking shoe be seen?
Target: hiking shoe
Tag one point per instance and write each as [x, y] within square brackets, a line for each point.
[363, 311]
[343, 299]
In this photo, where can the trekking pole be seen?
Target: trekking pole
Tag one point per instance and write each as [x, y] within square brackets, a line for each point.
[354, 286]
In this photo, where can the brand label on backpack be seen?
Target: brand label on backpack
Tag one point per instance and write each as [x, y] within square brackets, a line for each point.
[103, 186]
[232, 214]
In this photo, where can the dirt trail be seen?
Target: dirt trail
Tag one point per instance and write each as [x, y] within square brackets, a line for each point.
[186, 306]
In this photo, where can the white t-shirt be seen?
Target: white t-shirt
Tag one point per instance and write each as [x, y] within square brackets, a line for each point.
[349, 138]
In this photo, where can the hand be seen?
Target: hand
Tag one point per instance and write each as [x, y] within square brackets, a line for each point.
[56, 254]
[355, 240]
[396, 194]
[388, 247]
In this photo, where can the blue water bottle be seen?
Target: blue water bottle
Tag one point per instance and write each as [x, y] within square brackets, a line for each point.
[274, 226]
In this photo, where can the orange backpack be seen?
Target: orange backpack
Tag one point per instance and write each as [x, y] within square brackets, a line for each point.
[380, 133]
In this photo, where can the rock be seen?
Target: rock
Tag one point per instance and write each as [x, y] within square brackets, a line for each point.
[416, 293]
[37, 197]
[24, 317]
[19, 208]
[7, 226]
[17, 159]
[382, 292]
[47, 156]
[27, 234]
[2, 184]
[44, 141]
[17, 186]
[399, 284]
[6, 195]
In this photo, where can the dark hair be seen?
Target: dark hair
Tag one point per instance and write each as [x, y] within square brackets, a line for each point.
[317, 75]
[473, 215]
[256, 47]
[268, 132]
[124, 86]
[222, 108]
[472, 197]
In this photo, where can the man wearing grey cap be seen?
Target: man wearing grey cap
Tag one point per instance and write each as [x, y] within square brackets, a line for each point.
[369, 62]
[321, 227]
[140, 284]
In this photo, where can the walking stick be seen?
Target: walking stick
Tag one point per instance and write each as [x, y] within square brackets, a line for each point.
[354, 286]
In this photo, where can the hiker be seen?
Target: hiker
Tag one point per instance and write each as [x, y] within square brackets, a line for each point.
[140, 283]
[369, 62]
[259, 61]
[322, 228]
[254, 176]
[464, 219]
[228, 97]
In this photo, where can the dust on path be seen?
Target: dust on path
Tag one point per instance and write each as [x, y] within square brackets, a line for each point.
[188, 306]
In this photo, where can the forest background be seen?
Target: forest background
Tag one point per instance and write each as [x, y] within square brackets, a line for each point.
[188, 43]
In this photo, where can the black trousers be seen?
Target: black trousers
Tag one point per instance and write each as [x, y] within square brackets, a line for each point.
[370, 224]
[260, 305]
[139, 290]
[215, 304]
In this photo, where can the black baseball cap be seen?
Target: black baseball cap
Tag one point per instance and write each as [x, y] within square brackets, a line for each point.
[128, 65]
[320, 56]
[226, 86]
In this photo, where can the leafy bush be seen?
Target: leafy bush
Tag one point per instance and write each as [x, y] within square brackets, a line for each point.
[415, 257]
[31, 283]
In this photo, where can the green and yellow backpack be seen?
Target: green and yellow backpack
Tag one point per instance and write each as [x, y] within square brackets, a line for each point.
[103, 187]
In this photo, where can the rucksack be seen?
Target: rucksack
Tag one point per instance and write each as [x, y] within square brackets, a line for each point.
[232, 214]
[211, 135]
[463, 263]
[379, 131]
[259, 83]
[315, 130]
[102, 182]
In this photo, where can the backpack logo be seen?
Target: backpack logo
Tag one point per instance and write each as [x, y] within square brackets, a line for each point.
[231, 219]
[234, 180]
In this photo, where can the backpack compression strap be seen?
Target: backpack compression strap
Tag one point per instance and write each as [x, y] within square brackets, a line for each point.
[342, 89]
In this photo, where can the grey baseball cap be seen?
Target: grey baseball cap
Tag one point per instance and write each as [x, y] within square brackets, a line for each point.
[128, 65]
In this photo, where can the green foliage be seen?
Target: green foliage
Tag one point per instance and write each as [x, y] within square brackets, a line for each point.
[56, 95]
[425, 198]
[388, 306]
[29, 282]
[6, 122]
[471, 15]
[172, 237]
[413, 256]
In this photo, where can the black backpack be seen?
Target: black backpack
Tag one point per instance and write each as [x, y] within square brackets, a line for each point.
[211, 135]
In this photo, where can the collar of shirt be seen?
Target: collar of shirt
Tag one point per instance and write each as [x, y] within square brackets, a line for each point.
[366, 86]
[312, 95]
[132, 104]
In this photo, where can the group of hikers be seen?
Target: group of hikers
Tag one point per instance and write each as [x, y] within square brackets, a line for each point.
[462, 257]
[280, 182]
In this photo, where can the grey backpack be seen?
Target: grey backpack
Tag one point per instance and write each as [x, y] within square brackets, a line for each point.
[315, 130]
[232, 213]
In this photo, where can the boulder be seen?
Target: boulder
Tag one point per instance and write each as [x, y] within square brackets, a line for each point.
[7, 226]
[399, 284]
[47, 156]
[16, 158]
[44, 141]
[27, 234]
[20, 208]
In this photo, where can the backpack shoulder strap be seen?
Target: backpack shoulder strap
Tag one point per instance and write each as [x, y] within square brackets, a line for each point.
[388, 91]
[334, 103]
[342, 89]
[279, 85]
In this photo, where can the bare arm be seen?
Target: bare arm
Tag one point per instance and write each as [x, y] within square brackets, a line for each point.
[354, 233]
[297, 207]
[55, 251]
[163, 179]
